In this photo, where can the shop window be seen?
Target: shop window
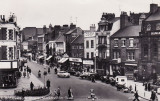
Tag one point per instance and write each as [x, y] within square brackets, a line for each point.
[158, 26]
[87, 44]
[148, 27]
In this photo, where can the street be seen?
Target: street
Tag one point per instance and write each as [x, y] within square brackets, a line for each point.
[81, 88]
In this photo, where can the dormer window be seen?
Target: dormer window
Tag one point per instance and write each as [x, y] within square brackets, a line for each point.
[148, 27]
[158, 26]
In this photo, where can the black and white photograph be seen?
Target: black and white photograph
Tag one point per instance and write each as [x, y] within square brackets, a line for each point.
[79, 50]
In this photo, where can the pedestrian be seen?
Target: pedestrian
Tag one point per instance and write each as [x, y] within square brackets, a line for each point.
[130, 88]
[23, 93]
[135, 87]
[149, 86]
[55, 70]
[136, 96]
[31, 86]
[70, 95]
[58, 92]
[145, 86]
[153, 96]
[39, 73]
[24, 74]
[48, 84]
[48, 69]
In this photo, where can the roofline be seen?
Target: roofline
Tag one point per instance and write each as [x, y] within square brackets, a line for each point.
[125, 37]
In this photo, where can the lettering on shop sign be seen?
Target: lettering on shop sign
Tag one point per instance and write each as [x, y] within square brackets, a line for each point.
[155, 33]
[89, 34]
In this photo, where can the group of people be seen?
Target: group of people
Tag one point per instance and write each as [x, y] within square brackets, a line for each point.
[147, 86]
[58, 93]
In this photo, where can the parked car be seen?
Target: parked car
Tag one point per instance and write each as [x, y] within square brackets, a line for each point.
[103, 78]
[72, 72]
[84, 75]
[112, 81]
[63, 74]
[121, 82]
[78, 73]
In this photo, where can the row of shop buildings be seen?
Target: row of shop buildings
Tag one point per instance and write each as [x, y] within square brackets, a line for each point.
[119, 44]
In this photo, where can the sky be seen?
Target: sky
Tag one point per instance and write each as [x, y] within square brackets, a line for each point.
[83, 13]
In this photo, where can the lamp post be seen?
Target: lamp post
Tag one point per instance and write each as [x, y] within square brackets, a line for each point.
[45, 65]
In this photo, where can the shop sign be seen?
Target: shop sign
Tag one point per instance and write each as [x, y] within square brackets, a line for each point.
[75, 59]
[88, 62]
[89, 34]
[155, 33]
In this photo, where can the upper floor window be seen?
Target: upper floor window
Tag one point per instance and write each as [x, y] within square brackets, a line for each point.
[115, 42]
[155, 50]
[87, 55]
[123, 42]
[10, 34]
[3, 33]
[80, 47]
[92, 54]
[130, 56]
[116, 55]
[131, 42]
[145, 50]
[10, 52]
[158, 26]
[148, 27]
[92, 43]
[87, 44]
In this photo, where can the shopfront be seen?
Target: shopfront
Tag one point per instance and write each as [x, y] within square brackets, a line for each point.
[63, 64]
[76, 64]
[88, 65]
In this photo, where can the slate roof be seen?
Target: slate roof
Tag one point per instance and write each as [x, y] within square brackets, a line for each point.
[69, 32]
[129, 31]
[154, 16]
[78, 39]
[115, 19]
[29, 32]
[61, 38]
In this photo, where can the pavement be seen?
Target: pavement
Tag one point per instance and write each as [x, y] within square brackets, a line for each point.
[23, 82]
[141, 90]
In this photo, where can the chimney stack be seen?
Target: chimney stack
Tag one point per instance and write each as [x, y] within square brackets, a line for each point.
[93, 28]
[123, 19]
[153, 8]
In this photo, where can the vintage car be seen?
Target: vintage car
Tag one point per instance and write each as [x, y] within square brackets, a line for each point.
[63, 74]
[121, 82]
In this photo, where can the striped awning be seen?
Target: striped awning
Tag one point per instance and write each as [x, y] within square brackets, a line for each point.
[49, 57]
[63, 60]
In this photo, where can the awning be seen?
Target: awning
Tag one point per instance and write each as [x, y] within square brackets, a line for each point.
[49, 57]
[130, 64]
[40, 57]
[88, 62]
[63, 60]
[75, 59]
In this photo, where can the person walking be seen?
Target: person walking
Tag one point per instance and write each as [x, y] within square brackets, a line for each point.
[70, 94]
[149, 86]
[48, 84]
[31, 86]
[136, 96]
[153, 96]
[49, 70]
[58, 92]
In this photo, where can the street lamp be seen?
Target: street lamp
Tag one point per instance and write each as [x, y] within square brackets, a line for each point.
[44, 54]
